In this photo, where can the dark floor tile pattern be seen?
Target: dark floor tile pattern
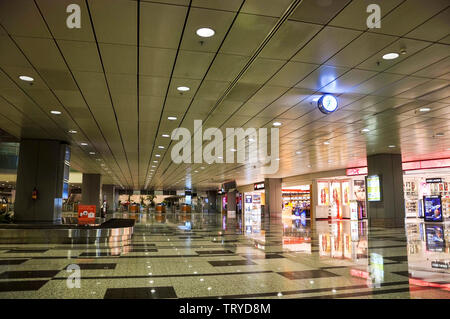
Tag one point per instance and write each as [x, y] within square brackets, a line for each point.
[26, 251]
[307, 274]
[266, 256]
[398, 258]
[21, 285]
[21, 274]
[12, 261]
[95, 266]
[140, 293]
[224, 263]
[213, 252]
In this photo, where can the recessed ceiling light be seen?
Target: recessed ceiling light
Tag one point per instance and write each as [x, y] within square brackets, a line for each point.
[157, 155]
[298, 152]
[425, 109]
[276, 124]
[183, 88]
[165, 135]
[391, 56]
[365, 130]
[195, 171]
[92, 153]
[83, 144]
[26, 78]
[326, 143]
[172, 118]
[155, 161]
[55, 112]
[161, 147]
[391, 146]
[205, 32]
[73, 131]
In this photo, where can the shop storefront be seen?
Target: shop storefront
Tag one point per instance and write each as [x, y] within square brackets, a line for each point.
[297, 201]
[341, 197]
[426, 186]
[427, 189]
[253, 209]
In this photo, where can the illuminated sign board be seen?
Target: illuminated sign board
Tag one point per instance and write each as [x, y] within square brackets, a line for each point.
[435, 163]
[373, 188]
[356, 171]
[258, 186]
[327, 104]
[434, 180]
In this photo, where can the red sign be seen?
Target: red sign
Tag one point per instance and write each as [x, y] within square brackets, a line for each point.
[407, 166]
[86, 214]
[356, 171]
[436, 163]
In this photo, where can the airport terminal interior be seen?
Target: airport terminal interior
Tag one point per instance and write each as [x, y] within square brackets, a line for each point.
[245, 149]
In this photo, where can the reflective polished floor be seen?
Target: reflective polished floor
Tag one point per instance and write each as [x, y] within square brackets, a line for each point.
[210, 256]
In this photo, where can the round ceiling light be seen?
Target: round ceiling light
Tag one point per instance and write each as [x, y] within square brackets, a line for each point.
[390, 56]
[425, 109]
[55, 112]
[26, 78]
[183, 88]
[205, 32]
[276, 124]
[165, 135]
[172, 118]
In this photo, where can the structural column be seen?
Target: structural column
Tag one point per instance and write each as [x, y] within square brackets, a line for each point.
[212, 201]
[44, 170]
[231, 204]
[273, 201]
[109, 194]
[390, 210]
[91, 190]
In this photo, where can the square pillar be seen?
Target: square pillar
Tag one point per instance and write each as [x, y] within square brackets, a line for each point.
[274, 200]
[231, 203]
[109, 194]
[44, 167]
[390, 210]
[91, 190]
[212, 208]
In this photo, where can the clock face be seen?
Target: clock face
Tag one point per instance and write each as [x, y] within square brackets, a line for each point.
[327, 104]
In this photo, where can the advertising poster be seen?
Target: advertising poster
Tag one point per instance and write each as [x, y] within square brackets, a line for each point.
[345, 193]
[323, 193]
[373, 188]
[86, 214]
[359, 190]
[435, 238]
[336, 199]
[433, 208]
